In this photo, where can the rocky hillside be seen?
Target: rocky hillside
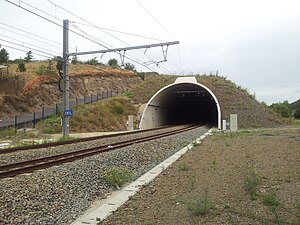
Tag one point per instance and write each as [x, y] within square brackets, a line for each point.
[44, 91]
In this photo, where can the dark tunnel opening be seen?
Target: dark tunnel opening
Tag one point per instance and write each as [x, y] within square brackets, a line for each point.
[180, 104]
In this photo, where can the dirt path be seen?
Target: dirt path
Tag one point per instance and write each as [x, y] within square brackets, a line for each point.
[242, 178]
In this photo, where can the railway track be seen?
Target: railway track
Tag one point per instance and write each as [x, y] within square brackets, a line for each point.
[79, 140]
[11, 170]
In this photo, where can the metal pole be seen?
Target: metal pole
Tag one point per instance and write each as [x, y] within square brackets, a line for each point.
[34, 118]
[126, 48]
[16, 124]
[66, 88]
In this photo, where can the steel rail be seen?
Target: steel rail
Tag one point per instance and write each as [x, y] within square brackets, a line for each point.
[53, 144]
[11, 170]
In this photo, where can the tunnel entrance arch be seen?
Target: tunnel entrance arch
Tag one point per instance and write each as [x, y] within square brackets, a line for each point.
[184, 101]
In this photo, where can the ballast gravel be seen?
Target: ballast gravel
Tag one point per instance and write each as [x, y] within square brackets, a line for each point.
[58, 195]
[15, 157]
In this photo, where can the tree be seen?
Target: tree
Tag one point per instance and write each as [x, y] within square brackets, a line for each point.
[113, 63]
[74, 60]
[3, 56]
[59, 62]
[129, 66]
[92, 61]
[28, 56]
[297, 114]
[283, 108]
[21, 67]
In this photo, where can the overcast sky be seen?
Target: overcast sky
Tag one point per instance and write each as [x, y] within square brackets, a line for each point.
[253, 43]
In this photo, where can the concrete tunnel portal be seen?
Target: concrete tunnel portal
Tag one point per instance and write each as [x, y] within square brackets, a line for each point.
[184, 101]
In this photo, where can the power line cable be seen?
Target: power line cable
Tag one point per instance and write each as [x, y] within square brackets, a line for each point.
[48, 14]
[36, 14]
[155, 19]
[29, 38]
[73, 14]
[179, 53]
[29, 44]
[96, 40]
[10, 42]
[133, 60]
[30, 33]
[163, 69]
[180, 59]
[100, 28]
[117, 31]
[7, 46]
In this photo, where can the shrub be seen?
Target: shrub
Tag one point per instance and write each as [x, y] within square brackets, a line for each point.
[183, 166]
[250, 185]
[46, 70]
[117, 176]
[271, 200]
[21, 67]
[119, 109]
[50, 125]
[113, 63]
[92, 61]
[128, 94]
[282, 108]
[7, 133]
[200, 206]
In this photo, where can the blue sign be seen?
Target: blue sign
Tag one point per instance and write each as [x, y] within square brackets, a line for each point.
[68, 112]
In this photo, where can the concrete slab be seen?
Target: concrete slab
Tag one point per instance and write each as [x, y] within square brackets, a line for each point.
[103, 208]
[233, 122]
[186, 80]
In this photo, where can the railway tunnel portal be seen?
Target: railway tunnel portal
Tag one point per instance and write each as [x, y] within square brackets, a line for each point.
[184, 101]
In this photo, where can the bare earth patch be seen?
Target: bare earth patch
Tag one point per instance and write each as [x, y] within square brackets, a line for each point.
[235, 178]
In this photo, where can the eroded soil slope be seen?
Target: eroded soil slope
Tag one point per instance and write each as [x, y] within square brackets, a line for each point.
[44, 90]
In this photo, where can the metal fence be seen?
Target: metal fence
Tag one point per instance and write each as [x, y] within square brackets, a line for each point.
[31, 119]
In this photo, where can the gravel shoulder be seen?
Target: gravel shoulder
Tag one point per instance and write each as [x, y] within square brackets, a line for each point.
[249, 177]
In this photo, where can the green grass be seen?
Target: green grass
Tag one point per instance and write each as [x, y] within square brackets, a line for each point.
[250, 185]
[51, 125]
[183, 166]
[195, 143]
[65, 139]
[118, 109]
[128, 94]
[295, 122]
[200, 206]
[7, 133]
[105, 115]
[117, 176]
[270, 200]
